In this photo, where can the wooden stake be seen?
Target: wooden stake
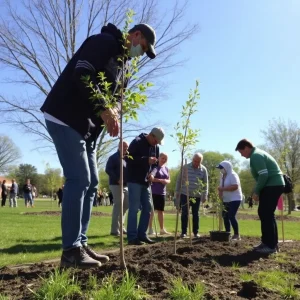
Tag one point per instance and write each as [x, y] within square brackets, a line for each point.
[122, 256]
[188, 201]
[282, 226]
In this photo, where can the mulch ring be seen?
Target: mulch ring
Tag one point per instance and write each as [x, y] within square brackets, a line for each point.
[58, 213]
[156, 265]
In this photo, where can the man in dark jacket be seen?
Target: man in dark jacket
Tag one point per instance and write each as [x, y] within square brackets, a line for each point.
[113, 171]
[60, 194]
[74, 122]
[27, 192]
[143, 155]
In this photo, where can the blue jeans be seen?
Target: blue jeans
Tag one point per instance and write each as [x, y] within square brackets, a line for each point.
[138, 198]
[28, 199]
[184, 213]
[78, 160]
[229, 213]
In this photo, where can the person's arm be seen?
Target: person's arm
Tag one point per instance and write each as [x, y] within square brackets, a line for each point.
[179, 181]
[111, 170]
[233, 185]
[205, 188]
[167, 180]
[152, 176]
[229, 188]
[95, 53]
[259, 165]
[134, 155]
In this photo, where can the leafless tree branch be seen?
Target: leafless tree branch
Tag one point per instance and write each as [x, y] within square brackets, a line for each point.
[38, 38]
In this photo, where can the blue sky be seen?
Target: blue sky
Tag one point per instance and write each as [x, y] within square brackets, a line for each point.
[246, 56]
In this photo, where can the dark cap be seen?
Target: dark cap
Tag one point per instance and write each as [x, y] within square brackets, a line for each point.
[219, 167]
[149, 34]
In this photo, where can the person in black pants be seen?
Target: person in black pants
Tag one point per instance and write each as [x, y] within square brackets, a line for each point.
[3, 193]
[269, 187]
[60, 195]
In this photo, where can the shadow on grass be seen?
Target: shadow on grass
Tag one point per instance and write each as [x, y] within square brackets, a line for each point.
[55, 239]
[46, 247]
[30, 246]
[116, 243]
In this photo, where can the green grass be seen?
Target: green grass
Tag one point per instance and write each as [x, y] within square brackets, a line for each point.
[246, 277]
[64, 285]
[181, 291]
[110, 289]
[278, 281]
[254, 212]
[59, 286]
[280, 257]
[34, 238]
[235, 266]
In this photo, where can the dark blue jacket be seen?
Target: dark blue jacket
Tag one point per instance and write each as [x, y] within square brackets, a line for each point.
[138, 166]
[113, 169]
[70, 99]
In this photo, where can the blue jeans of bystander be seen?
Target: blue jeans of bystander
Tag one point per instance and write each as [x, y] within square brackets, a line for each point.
[138, 198]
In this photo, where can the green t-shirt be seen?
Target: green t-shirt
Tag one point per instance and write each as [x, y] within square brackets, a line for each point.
[265, 170]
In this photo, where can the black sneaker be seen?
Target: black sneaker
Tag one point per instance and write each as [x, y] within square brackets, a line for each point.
[91, 253]
[261, 245]
[78, 258]
[115, 234]
[136, 242]
[147, 240]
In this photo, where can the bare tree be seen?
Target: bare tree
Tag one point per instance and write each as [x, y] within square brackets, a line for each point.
[283, 142]
[9, 153]
[53, 179]
[38, 38]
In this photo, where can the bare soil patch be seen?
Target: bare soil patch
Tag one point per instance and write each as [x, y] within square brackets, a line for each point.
[156, 265]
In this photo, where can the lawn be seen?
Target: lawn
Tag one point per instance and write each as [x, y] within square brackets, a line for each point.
[33, 238]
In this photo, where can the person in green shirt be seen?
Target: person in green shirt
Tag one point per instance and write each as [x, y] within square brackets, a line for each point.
[269, 186]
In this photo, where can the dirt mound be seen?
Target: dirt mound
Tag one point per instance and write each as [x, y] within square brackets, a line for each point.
[210, 262]
[58, 213]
